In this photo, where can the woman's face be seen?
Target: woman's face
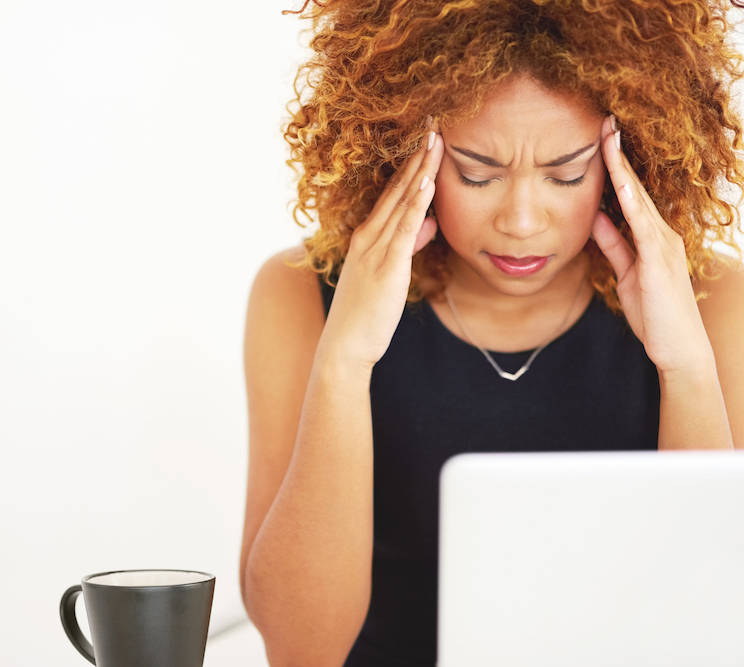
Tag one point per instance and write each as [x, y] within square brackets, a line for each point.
[519, 208]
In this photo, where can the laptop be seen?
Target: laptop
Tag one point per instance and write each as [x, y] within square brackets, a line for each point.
[592, 559]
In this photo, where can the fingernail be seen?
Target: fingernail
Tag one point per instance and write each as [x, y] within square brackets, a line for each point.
[613, 122]
[617, 139]
[431, 140]
[626, 191]
[424, 182]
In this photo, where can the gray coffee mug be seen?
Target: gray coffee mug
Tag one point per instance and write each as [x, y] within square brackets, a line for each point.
[142, 618]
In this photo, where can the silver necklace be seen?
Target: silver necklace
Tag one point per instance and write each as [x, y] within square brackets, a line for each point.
[500, 371]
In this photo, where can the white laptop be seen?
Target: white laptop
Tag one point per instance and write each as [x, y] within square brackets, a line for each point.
[596, 559]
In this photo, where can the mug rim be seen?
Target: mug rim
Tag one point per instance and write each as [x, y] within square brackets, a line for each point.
[86, 579]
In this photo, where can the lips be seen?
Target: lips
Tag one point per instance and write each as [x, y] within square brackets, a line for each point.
[519, 266]
[521, 261]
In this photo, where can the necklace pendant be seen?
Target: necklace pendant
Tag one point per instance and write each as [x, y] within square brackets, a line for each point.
[513, 376]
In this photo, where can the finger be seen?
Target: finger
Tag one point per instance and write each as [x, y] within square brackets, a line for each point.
[400, 239]
[644, 219]
[429, 168]
[617, 162]
[407, 212]
[613, 245]
[640, 188]
[395, 188]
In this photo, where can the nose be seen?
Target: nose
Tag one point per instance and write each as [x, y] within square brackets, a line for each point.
[518, 213]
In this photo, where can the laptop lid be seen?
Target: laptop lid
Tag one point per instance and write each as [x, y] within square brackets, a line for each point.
[580, 559]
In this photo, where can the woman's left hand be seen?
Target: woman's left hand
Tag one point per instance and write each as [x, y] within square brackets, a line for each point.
[653, 286]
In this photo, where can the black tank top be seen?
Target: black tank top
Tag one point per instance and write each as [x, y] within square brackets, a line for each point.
[433, 395]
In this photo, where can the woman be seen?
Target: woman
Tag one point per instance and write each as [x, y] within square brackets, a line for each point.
[513, 197]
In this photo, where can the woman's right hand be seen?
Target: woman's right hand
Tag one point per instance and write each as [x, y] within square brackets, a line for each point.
[373, 284]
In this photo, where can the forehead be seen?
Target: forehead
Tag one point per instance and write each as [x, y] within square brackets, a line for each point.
[523, 108]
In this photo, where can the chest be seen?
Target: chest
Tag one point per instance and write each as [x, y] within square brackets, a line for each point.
[434, 396]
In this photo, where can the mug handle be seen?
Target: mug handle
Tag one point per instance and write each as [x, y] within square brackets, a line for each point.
[70, 624]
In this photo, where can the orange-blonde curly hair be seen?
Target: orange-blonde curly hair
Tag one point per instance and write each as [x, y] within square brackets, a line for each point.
[664, 68]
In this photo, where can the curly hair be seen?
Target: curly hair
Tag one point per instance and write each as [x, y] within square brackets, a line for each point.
[664, 68]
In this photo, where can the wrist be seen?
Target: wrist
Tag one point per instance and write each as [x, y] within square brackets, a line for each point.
[333, 364]
[700, 373]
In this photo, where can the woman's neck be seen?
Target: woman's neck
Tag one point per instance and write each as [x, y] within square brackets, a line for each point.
[513, 311]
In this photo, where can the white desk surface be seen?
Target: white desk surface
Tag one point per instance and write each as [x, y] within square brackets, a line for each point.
[239, 646]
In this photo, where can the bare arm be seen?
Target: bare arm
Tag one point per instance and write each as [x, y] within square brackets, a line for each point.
[308, 577]
[307, 581]
[692, 412]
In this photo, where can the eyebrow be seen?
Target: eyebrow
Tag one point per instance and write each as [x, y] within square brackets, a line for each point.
[563, 159]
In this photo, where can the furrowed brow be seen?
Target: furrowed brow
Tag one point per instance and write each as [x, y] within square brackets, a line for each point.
[563, 159]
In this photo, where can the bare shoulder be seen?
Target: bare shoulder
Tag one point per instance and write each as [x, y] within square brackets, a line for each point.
[284, 320]
[725, 292]
[294, 293]
[279, 262]
[722, 313]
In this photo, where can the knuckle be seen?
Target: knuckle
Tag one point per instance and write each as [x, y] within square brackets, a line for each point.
[403, 203]
[396, 181]
[406, 225]
[357, 253]
[358, 239]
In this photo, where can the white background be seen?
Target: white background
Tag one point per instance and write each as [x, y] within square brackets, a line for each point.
[142, 183]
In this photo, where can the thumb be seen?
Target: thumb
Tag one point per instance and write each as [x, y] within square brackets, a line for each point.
[425, 234]
[612, 244]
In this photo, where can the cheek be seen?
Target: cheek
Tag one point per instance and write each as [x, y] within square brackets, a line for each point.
[454, 200]
[457, 219]
[580, 216]
[582, 204]
[586, 203]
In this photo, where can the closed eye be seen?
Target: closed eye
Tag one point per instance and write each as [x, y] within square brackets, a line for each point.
[481, 184]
